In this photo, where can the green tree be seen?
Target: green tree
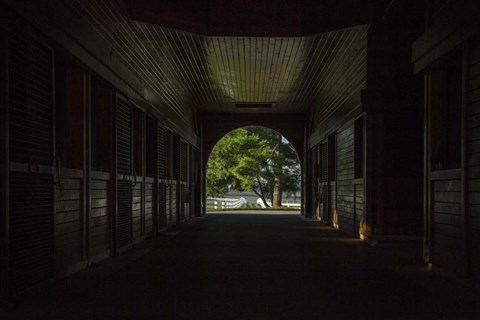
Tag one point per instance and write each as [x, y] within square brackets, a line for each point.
[256, 159]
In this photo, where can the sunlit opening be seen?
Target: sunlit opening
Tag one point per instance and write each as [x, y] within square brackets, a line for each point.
[253, 168]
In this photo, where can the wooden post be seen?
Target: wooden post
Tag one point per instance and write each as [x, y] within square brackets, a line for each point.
[4, 160]
[428, 223]
[464, 163]
[87, 164]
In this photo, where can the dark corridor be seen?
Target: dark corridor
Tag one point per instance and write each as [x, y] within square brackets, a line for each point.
[257, 266]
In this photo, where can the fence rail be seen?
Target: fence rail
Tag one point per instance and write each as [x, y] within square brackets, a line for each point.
[227, 203]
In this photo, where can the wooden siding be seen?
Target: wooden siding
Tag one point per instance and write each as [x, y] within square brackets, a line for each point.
[100, 216]
[447, 220]
[163, 218]
[149, 206]
[333, 201]
[30, 103]
[359, 196]
[31, 231]
[137, 211]
[69, 222]
[345, 187]
[173, 203]
[473, 160]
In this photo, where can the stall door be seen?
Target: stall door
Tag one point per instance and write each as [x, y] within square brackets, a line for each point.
[151, 185]
[182, 180]
[162, 176]
[138, 184]
[332, 176]
[70, 251]
[31, 156]
[123, 219]
[325, 186]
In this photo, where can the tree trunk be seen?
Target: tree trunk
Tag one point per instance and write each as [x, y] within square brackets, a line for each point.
[261, 194]
[277, 193]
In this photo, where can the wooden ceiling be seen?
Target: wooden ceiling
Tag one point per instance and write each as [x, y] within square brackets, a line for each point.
[261, 18]
[186, 71]
[219, 72]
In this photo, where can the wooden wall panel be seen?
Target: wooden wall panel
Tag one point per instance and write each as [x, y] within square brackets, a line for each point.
[163, 217]
[69, 224]
[31, 154]
[345, 186]
[137, 209]
[333, 201]
[123, 225]
[173, 203]
[447, 222]
[359, 204]
[31, 231]
[473, 159]
[168, 205]
[149, 206]
[100, 216]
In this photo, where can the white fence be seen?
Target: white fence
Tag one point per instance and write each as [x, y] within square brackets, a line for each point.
[227, 203]
[287, 204]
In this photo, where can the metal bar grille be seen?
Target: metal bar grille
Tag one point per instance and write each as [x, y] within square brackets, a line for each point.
[124, 137]
[173, 204]
[183, 161]
[176, 157]
[324, 159]
[124, 167]
[162, 152]
[30, 101]
[31, 195]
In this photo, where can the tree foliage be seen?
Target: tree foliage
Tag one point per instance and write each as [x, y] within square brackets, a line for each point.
[253, 159]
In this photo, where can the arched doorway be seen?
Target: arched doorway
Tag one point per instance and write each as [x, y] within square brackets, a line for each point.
[253, 167]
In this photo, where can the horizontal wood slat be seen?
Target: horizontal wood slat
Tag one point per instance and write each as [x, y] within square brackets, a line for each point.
[100, 217]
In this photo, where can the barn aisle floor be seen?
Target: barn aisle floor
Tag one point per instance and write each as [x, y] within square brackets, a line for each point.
[235, 265]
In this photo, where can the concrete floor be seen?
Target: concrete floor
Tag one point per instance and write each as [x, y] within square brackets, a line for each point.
[256, 266]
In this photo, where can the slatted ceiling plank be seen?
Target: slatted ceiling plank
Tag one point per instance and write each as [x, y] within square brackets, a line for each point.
[234, 66]
[175, 52]
[349, 86]
[318, 69]
[275, 58]
[193, 71]
[228, 76]
[277, 84]
[122, 46]
[349, 83]
[195, 46]
[237, 67]
[173, 99]
[265, 68]
[172, 63]
[199, 81]
[291, 68]
[310, 65]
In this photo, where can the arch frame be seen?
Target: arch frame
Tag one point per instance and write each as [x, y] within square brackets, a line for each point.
[214, 127]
